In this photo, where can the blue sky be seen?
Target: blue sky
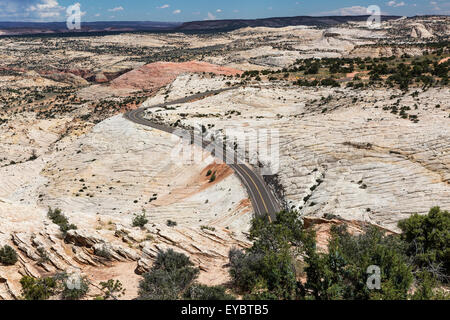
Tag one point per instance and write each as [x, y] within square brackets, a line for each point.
[188, 10]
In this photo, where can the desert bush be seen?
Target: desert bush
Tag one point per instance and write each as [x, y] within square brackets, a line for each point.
[112, 290]
[244, 269]
[208, 228]
[140, 220]
[269, 272]
[172, 277]
[103, 251]
[313, 69]
[61, 220]
[171, 274]
[267, 269]
[329, 82]
[8, 256]
[341, 273]
[74, 286]
[171, 223]
[427, 288]
[38, 289]
[428, 238]
[213, 177]
[43, 255]
[203, 292]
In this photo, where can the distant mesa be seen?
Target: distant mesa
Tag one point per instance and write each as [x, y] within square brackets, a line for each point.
[25, 28]
[228, 25]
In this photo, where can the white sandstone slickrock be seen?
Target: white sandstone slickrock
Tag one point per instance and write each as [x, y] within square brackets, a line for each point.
[100, 180]
[354, 160]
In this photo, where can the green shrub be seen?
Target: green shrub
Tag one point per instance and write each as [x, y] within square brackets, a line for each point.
[268, 268]
[140, 220]
[172, 277]
[61, 220]
[171, 223]
[244, 269]
[428, 237]
[409, 263]
[313, 69]
[8, 256]
[171, 274]
[43, 255]
[202, 292]
[103, 252]
[38, 289]
[426, 288]
[74, 286]
[208, 228]
[112, 290]
[341, 273]
[329, 82]
[269, 272]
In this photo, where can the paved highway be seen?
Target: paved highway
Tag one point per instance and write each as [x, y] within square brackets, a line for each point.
[263, 201]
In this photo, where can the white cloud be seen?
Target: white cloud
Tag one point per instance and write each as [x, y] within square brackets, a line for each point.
[219, 10]
[45, 5]
[396, 4]
[178, 11]
[164, 6]
[44, 9]
[348, 11]
[355, 10]
[120, 8]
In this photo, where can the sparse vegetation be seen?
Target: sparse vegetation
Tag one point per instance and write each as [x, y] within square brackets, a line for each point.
[173, 276]
[203, 292]
[140, 220]
[171, 223]
[208, 228]
[112, 289]
[103, 252]
[8, 256]
[74, 286]
[61, 220]
[213, 177]
[38, 289]
[428, 239]
[392, 71]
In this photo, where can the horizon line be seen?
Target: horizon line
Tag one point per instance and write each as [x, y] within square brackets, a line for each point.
[274, 17]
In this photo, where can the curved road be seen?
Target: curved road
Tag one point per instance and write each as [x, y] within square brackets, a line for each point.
[263, 201]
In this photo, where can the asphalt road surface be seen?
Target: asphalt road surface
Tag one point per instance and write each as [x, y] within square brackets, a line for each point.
[263, 200]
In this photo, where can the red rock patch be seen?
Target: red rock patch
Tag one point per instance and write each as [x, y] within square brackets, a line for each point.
[156, 75]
